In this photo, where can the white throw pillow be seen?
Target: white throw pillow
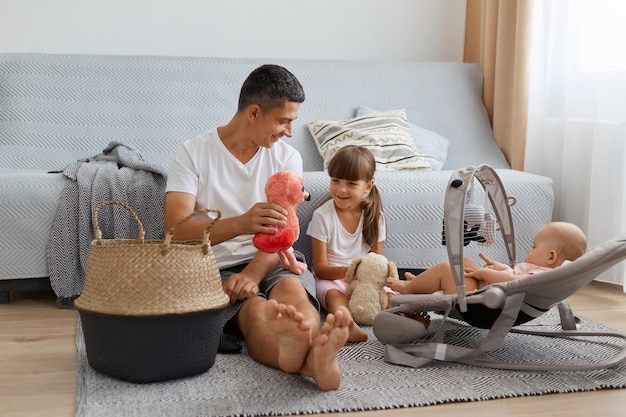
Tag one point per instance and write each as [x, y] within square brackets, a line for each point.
[431, 144]
[386, 135]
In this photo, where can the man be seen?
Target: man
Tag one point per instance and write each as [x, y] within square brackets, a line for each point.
[227, 168]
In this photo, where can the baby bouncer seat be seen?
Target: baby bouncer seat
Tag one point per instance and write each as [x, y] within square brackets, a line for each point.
[500, 307]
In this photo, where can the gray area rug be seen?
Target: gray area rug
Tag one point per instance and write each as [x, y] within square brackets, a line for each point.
[238, 386]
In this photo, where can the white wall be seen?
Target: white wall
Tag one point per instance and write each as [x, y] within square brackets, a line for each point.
[412, 30]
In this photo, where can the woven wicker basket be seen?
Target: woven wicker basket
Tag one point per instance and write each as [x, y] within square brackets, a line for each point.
[151, 310]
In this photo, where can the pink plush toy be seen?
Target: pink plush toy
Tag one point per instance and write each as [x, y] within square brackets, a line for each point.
[286, 189]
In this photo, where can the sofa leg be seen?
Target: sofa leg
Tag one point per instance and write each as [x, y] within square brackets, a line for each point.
[26, 284]
[401, 272]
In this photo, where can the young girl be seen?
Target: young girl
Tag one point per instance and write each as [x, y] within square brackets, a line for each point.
[349, 225]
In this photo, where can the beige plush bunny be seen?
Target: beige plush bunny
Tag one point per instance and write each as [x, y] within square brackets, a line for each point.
[366, 278]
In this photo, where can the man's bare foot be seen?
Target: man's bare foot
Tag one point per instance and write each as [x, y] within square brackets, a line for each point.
[292, 333]
[321, 362]
[355, 333]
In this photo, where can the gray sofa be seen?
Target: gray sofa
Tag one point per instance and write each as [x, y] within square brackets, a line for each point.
[57, 109]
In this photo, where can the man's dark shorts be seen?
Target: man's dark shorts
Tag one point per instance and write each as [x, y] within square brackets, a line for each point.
[273, 277]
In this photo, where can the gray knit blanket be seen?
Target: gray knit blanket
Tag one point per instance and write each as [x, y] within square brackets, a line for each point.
[118, 173]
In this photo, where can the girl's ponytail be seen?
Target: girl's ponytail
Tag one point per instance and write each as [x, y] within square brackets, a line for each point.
[372, 216]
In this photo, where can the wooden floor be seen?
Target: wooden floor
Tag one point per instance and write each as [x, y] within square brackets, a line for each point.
[38, 364]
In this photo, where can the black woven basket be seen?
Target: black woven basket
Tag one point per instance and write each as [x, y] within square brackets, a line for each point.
[151, 310]
[146, 349]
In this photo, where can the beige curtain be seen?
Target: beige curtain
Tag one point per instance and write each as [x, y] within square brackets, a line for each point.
[498, 38]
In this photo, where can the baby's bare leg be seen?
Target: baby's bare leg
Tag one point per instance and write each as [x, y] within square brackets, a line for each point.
[429, 281]
[398, 285]
[448, 286]
[436, 278]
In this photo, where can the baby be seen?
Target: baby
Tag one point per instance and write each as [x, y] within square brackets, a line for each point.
[553, 244]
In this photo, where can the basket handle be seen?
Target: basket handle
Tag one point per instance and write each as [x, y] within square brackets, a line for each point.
[96, 226]
[207, 231]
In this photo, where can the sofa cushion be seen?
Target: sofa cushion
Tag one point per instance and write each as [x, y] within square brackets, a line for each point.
[143, 101]
[386, 134]
[431, 144]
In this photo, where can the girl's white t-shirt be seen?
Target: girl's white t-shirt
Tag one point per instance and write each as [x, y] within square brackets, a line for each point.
[342, 247]
[204, 167]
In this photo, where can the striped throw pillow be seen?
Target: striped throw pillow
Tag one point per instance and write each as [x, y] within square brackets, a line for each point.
[386, 135]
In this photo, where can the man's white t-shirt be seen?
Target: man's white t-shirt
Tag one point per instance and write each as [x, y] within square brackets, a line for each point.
[204, 167]
[342, 247]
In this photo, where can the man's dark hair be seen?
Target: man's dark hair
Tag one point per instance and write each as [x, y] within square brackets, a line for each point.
[269, 86]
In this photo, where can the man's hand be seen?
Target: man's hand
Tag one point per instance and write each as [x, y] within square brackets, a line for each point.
[179, 205]
[239, 287]
[245, 284]
[257, 219]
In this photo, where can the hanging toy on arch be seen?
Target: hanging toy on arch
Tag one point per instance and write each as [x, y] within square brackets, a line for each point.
[479, 225]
